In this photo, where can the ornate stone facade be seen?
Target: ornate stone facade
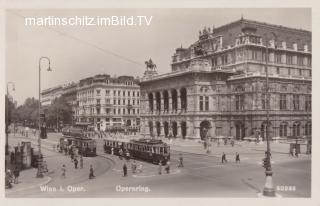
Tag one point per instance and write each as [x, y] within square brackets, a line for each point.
[219, 83]
[108, 103]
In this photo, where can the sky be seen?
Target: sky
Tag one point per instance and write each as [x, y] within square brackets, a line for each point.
[78, 52]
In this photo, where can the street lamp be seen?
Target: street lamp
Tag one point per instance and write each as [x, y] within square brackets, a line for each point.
[7, 115]
[39, 171]
[268, 189]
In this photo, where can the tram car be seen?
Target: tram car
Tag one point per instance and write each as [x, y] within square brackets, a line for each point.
[149, 150]
[75, 137]
[86, 146]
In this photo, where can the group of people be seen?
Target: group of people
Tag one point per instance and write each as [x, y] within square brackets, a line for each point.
[135, 168]
[224, 158]
[12, 177]
[64, 171]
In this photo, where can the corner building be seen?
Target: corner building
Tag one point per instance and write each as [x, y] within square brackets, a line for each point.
[108, 103]
[219, 84]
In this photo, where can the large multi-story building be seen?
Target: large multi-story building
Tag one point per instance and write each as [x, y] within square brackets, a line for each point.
[217, 86]
[108, 103]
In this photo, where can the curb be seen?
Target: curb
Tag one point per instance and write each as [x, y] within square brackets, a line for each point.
[196, 153]
[30, 187]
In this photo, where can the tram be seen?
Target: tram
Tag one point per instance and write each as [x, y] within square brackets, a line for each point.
[75, 138]
[149, 150]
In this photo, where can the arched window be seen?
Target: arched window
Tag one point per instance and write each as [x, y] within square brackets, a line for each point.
[283, 129]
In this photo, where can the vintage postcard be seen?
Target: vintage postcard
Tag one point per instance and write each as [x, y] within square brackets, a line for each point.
[158, 103]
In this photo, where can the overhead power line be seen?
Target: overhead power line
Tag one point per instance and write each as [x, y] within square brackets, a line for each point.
[87, 43]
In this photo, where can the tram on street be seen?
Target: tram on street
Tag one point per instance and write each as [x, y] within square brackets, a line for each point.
[75, 138]
[149, 150]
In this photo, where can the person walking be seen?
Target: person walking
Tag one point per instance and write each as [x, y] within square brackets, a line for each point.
[120, 154]
[81, 162]
[180, 160]
[75, 161]
[63, 170]
[124, 169]
[16, 174]
[237, 158]
[232, 143]
[168, 167]
[91, 175]
[134, 167]
[139, 168]
[160, 168]
[223, 158]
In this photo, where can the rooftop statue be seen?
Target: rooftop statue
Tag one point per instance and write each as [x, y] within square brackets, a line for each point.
[150, 65]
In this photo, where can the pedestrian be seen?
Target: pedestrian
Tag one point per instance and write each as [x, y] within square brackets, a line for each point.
[81, 162]
[168, 167]
[124, 170]
[139, 168]
[160, 168]
[223, 158]
[293, 151]
[75, 163]
[180, 160]
[91, 175]
[120, 154]
[296, 153]
[63, 170]
[44, 166]
[232, 142]
[16, 174]
[112, 150]
[8, 180]
[134, 167]
[237, 158]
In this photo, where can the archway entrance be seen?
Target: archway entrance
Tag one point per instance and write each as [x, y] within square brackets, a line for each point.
[174, 129]
[166, 128]
[240, 131]
[183, 129]
[204, 129]
[158, 126]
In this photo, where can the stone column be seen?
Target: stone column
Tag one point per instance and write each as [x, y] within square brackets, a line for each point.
[189, 129]
[170, 102]
[179, 134]
[178, 101]
[161, 103]
[154, 103]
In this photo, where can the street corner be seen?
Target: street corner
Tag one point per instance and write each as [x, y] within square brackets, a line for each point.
[25, 184]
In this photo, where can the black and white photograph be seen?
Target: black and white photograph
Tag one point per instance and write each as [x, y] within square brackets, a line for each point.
[158, 103]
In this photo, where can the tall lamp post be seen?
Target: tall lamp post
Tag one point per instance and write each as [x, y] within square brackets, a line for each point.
[7, 115]
[268, 189]
[39, 171]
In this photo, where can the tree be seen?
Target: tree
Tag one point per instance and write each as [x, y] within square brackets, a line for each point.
[27, 113]
[58, 111]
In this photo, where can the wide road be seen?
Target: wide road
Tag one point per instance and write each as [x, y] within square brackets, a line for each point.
[201, 176]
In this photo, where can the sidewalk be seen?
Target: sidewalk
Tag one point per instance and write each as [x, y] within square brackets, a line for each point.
[28, 180]
[242, 147]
